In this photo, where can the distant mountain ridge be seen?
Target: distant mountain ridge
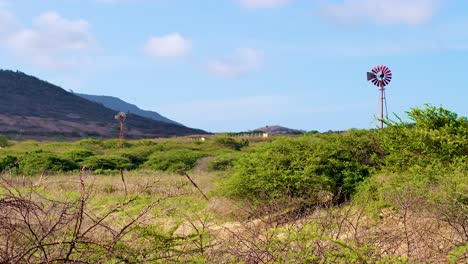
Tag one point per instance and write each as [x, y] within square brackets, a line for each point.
[33, 108]
[279, 130]
[120, 105]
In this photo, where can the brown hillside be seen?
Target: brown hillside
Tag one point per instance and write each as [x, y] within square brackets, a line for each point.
[32, 108]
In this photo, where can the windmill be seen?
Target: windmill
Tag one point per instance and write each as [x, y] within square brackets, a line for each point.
[381, 76]
[121, 116]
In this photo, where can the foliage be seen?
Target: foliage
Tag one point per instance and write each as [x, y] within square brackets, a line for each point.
[115, 144]
[223, 161]
[137, 158]
[108, 163]
[231, 143]
[143, 142]
[78, 155]
[306, 167]
[39, 162]
[89, 143]
[3, 141]
[433, 135]
[312, 132]
[173, 160]
[7, 161]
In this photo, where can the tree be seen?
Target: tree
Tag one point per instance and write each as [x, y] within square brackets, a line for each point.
[4, 141]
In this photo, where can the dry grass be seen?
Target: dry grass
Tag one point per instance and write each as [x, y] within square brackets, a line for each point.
[169, 208]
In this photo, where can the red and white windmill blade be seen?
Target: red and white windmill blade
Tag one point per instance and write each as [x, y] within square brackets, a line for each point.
[380, 76]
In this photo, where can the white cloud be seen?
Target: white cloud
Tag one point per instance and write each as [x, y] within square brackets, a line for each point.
[242, 62]
[411, 12]
[52, 42]
[171, 45]
[256, 4]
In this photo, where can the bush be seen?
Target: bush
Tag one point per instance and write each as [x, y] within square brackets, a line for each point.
[306, 167]
[223, 162]
[91, 144]
[143, 142]
[38, 162]
[108, 163]
[173, 160]
[115, 144]
[433, 135]
[231, 143]
[78, 155]
[139, 155]
[135, 157]
[3, 141]
[276, 170]
[7, 161]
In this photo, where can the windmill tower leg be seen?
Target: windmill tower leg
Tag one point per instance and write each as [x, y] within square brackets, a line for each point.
[382, 102]
[122, 130]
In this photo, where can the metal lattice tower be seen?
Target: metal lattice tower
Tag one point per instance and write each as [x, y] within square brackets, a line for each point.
[121, 116]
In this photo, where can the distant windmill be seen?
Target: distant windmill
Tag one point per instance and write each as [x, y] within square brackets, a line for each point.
[121, 116]
[381, 76]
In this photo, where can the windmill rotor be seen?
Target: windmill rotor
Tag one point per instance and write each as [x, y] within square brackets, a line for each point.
[380, 76]
[120, 116]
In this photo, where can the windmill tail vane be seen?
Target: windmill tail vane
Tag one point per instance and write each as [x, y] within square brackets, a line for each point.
[381, 76]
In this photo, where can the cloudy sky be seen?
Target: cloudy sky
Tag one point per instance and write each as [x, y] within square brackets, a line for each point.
[233, 65]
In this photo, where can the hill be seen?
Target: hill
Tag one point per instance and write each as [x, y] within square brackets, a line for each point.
[32, 108]
[120, 105]
[279, 130]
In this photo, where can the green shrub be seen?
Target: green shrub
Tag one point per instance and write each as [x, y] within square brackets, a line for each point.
[91, 144]
[38, 162]
[143, 142]
[223, 161]
[108, 163]
[139, 154]
[7, 161]
[137, 158]
[433, 134]
[115, 144]
[275, 170]
[173, 160]
[78, 155]
[4, 141]
[306, 167]
[231, 143]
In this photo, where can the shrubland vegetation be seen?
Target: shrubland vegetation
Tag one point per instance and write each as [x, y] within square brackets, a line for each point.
[395, 195]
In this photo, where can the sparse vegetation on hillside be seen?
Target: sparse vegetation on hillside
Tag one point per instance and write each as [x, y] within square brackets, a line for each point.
[32, 108]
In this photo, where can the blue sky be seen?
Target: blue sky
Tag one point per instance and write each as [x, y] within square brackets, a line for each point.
[233, 65]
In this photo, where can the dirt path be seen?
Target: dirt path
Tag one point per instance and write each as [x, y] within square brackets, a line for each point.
[202, 165]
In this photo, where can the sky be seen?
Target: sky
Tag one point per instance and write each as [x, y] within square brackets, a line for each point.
[236, 65]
